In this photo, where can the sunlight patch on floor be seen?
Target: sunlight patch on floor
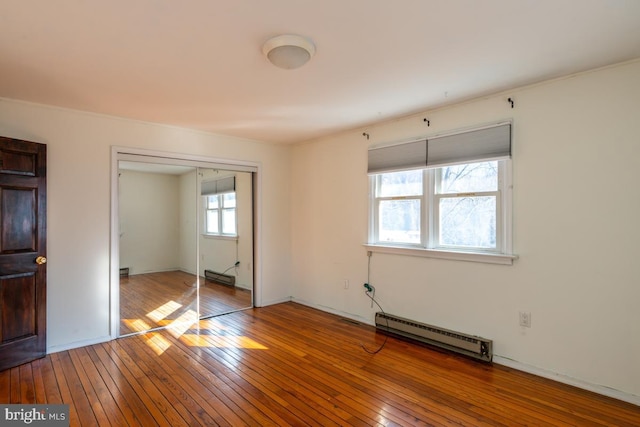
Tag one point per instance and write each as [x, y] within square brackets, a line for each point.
[137, 325]
[157, 342]
[212, 324]
[221, 341]
[163, 311]
[209, 333]
[183, 323]
[212, 333]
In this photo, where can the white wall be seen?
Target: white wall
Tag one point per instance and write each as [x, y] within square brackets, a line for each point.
[576, 163]
[188, 222]
[78, 184]
[244, 271]
[149, 206]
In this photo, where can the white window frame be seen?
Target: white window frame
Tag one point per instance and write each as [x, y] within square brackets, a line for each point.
[220, 210]
[375, 182]
[429, 245]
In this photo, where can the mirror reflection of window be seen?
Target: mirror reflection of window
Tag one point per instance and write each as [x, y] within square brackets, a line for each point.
[220, 207]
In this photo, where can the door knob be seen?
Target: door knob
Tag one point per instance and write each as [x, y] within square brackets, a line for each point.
[41, 260]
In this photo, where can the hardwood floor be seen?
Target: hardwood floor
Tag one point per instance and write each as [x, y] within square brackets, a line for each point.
[292, 365]
[157, 299]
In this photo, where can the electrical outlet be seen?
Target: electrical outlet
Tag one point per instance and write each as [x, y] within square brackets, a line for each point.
[346, 283]
[525, 319]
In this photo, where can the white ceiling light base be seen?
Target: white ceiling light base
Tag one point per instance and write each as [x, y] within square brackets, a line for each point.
[289, 51]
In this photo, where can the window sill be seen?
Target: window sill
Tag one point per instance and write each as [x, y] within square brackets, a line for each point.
[219, 237]
[441, 254]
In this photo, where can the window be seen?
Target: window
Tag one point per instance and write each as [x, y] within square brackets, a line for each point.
[399, 204]
[466, 206]
[456, 200]
[220, 218]
[219, 199]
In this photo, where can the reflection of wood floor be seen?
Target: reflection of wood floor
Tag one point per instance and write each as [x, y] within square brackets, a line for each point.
[155, 299]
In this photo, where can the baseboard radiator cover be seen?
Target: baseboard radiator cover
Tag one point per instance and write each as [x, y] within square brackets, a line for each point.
[221, 278]
[468, 345]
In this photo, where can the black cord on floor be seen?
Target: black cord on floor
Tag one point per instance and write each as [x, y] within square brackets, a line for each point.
[370, 292]
[386, 337]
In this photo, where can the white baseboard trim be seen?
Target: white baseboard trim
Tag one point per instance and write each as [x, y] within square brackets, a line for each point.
[596, 388]
[333, 311]
[162, 270]
[78, 344]
[273, 302]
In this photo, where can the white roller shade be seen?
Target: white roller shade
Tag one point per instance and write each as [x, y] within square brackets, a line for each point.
[218, 186]
[489, 143]
[411, 155]
[473, 146]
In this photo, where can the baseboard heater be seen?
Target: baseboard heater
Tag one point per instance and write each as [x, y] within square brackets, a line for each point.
[223, 279]
[468, 345]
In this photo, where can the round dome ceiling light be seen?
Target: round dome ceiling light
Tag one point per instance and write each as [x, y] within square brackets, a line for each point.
[289, 51]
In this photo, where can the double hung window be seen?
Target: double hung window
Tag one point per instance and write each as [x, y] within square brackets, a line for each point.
[398, 207]
[467, 206]
[450, 194]
[221, 214]
[220, 207]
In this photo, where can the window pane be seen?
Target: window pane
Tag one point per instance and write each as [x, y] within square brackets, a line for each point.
[468, 178]
[229, 221]
[407, 183]
[468, 221]
[399, 221]
[212, 222]
[229, 200]
[212, 202]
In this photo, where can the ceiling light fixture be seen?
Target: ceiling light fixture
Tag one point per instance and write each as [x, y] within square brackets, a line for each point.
[289, 51]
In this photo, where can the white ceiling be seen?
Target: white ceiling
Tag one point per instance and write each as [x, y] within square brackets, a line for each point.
[198, 63]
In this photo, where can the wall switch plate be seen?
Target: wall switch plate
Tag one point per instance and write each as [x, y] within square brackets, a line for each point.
[346, 283]
[525, 319]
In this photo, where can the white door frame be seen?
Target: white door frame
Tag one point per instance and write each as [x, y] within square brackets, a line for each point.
[117, 153]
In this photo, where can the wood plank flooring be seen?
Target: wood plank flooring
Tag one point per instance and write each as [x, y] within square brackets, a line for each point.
[156, 299]
[289, 364]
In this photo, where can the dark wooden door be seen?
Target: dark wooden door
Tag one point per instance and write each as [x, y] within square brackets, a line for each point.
[22, 252]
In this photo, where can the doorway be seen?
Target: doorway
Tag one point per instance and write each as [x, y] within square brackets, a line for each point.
[183, 239]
